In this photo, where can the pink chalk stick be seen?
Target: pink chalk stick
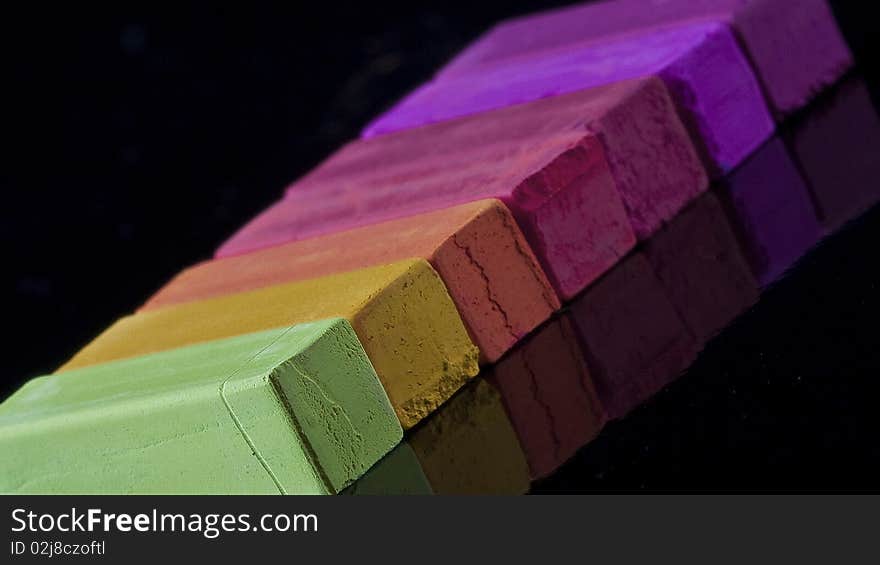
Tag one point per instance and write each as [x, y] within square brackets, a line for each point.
[710, 79]
[562, 165]
[795, 47]
[560, 191]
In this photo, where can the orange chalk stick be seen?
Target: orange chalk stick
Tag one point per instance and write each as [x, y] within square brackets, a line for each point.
[477, 249]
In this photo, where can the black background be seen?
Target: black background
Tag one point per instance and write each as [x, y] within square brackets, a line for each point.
[138, 139]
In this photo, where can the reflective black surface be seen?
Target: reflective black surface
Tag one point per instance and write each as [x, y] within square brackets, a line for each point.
[783, 398]
[701, 353]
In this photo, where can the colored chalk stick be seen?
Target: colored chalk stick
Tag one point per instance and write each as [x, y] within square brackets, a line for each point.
[542, 159]
[770, 209]
[477, 249]
[651, 158]
[549, 396]
[634, 340]
[398, 473]
[717, 95]
[837, 145]
[469, 446]
[700, 264]
[795, 48]
[401, 312]
[558, 186]
[294, 410]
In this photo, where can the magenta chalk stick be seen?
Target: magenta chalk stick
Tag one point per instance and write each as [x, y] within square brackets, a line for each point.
[795, 48]
[709, 77]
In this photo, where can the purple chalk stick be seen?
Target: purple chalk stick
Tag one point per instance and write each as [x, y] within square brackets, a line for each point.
[717, 95]
[837, 145]
[795, 47]
[770, 207]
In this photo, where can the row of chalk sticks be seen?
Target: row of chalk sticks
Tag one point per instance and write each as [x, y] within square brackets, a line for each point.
[539, 213]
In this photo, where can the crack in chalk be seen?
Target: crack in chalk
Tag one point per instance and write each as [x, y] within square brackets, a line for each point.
[249, 441]
[22, 485]
[330, 400]
[352, 447]
[311, 454]
[593, 404]
[557, 442]
[160, 442]
[658, 265]
[525, 253]
[487, 284]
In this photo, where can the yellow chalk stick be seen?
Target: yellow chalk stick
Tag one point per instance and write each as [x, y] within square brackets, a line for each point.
[401, 312]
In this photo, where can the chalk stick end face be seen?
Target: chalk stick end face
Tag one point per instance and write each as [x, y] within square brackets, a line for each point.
[573, 215]
[417, 342]
[719, 99]
[338, 404]
[797, 50]
[652, 158]
[495, 280]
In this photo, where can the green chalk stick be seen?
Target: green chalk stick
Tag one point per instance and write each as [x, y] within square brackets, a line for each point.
[295, 410]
